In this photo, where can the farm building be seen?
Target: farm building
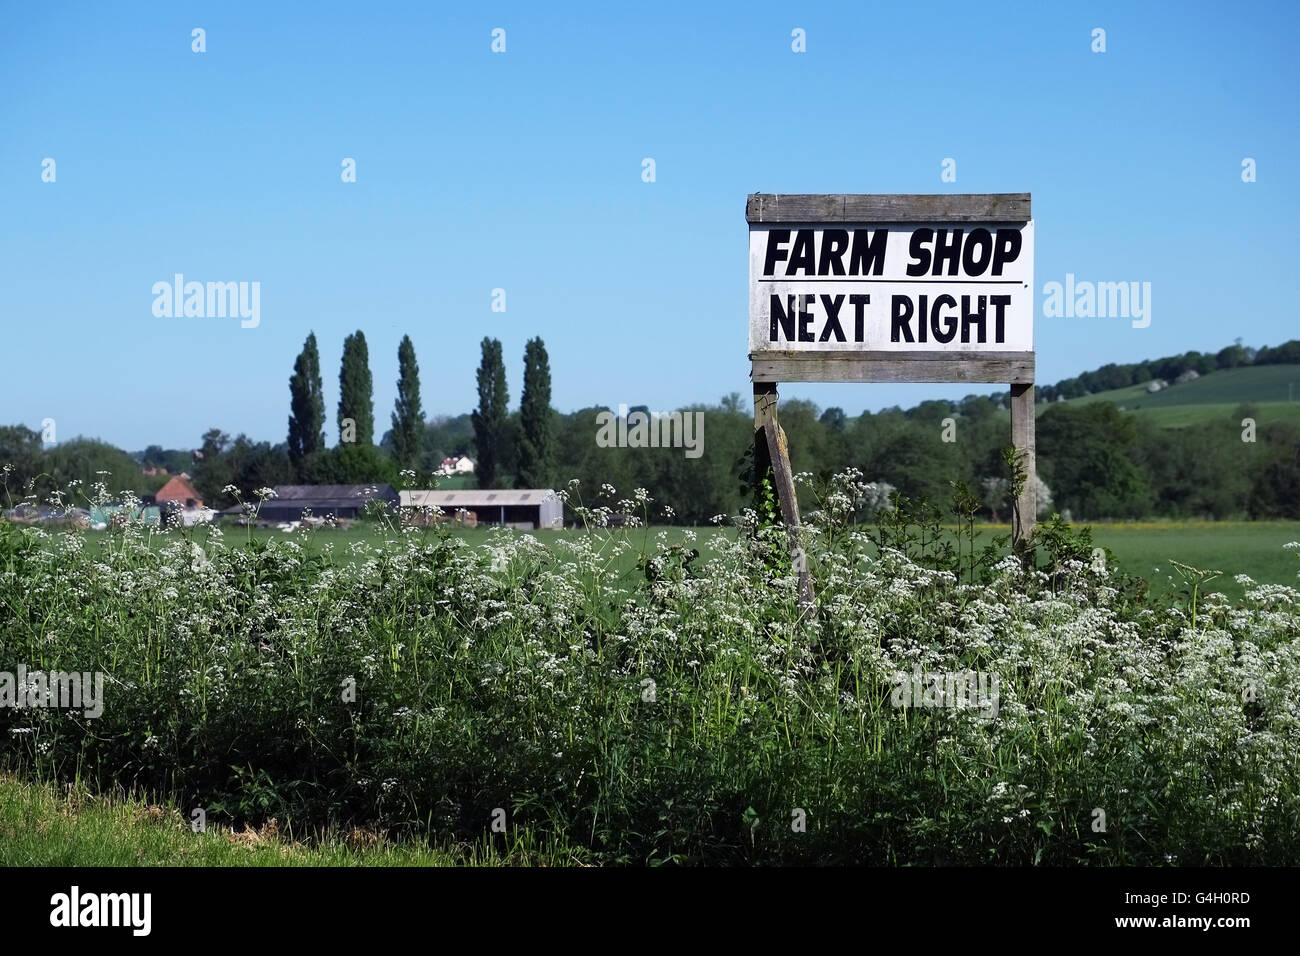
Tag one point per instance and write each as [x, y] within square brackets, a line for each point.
[180, 490]
[28, 513]
[456, 466]
[179, 502]
[520, 508]
[341, 501]
[101, 516]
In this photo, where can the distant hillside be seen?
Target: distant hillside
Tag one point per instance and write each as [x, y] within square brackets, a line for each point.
[1273, 390]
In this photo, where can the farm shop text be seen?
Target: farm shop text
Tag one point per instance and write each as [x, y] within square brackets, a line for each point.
[922, 287]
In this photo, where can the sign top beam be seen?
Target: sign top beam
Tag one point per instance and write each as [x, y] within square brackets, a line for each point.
[779, 208]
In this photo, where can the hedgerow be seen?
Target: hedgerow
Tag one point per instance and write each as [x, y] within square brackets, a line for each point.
[693, 712]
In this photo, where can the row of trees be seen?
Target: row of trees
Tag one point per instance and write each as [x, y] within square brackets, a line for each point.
[247, 465]
[534, 457]
[1136, 373]
[1098, 462]
[86, 461]
[528, 444]
[356, 408]
[522, 442]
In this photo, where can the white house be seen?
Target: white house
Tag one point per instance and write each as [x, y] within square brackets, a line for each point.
[455, 466]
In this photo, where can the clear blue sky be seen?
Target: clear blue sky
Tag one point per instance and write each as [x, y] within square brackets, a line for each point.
[523, 171]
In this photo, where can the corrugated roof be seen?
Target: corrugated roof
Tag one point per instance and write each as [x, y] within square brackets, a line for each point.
[476, 498]
[348, 494]
[315, 504]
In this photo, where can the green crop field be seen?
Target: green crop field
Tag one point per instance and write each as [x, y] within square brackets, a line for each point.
[1274, 390]
[1180, 416]
[1254, 549]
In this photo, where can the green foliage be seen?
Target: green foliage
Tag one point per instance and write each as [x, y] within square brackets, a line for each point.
[242, 464]
[1205, 398]
[445, 437]
[678, 713]
[356, 392]
[171, 460]
[306, 405]
[1113, 377]
[70, 826]
[408, 418]
[213, 471]
[1275, 491]
[1086, 458]
[491, 416]
[351, 465]
[89, 462]
[536, 468]
[22, 451]
[1099, 463]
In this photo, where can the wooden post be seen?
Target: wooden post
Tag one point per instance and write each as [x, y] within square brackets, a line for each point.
[1025, 509]
[771, 448]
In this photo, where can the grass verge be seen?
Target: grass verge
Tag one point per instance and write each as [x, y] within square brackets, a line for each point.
[41, 825]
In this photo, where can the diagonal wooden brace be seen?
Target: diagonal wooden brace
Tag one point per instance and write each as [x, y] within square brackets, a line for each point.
[769, 437]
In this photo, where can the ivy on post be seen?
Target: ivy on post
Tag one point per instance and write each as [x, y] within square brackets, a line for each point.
[1025, 482]
[772, 456]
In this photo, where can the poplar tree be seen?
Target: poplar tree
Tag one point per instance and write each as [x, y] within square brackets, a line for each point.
[490, 418]
[537, 443]
[306, 406]
[356, 390]
[408, 418]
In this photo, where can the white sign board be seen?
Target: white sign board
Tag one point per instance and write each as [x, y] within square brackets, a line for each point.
[934, 287]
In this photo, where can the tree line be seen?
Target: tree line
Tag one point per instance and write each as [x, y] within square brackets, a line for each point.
[522, 441]
[1123, 375]
[1097, 461]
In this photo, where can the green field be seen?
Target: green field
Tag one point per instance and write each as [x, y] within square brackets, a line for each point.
[1274, 390]
[1253, 548]
[1233, 547]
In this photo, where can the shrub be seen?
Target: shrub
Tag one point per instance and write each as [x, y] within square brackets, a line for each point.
[684, 712]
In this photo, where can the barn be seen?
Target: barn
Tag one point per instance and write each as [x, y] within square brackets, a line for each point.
[180, 490]
[526, 508]
[341, 501]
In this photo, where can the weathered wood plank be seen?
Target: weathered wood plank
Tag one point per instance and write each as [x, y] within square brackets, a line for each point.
[808, 209]
[772, 450]
[1022, 437]
[834, 366]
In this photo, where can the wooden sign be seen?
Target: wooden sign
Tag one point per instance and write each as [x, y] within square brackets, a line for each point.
[891, 288]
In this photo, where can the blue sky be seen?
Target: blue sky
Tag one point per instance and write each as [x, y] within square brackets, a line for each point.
[522, 171]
